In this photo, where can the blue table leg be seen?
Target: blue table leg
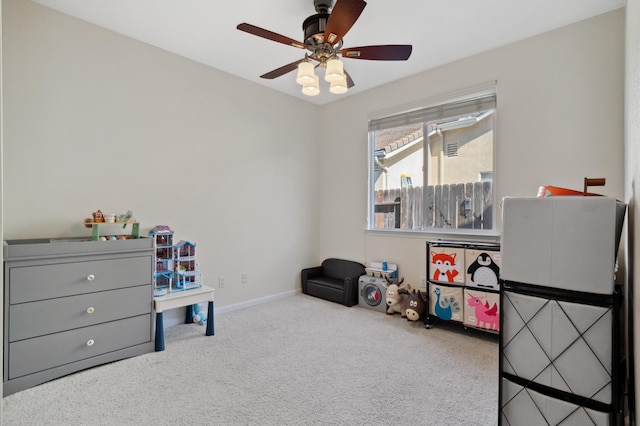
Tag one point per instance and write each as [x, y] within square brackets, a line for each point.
[189, 318]
[159, 332]
[210, 319]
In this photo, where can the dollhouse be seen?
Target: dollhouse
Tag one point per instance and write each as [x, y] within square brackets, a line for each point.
[186, 274]
[163, 265]
[175, 267]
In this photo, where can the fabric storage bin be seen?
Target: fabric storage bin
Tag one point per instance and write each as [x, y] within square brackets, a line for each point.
[555, 343]
[445, 302]
[482, 267]
[561, 242]
[446, 264]
[482, 309]
[523, 406]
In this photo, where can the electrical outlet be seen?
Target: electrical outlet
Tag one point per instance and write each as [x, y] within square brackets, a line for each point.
[245, 278]
[220, 282]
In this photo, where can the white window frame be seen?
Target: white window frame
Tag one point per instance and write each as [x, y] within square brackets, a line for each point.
[485, 94]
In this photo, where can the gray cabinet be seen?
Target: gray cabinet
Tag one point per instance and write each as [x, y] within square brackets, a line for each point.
[561, 358]
[73, 304]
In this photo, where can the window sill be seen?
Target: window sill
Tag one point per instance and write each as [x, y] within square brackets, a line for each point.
[467, 234]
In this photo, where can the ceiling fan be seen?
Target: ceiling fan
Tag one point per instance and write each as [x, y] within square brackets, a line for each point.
[323, 38]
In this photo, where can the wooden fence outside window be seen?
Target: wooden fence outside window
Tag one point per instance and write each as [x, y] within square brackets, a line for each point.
[453, 206]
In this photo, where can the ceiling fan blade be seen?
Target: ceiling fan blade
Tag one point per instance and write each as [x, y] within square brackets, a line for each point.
[282, 70]
[350, 82]
[385, 52]
[344, 14]
[270, 35]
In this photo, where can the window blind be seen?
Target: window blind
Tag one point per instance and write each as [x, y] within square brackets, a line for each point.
[431, 113]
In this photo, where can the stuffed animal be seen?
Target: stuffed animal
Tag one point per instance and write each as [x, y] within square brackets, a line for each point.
[396, 296]
[416, 305]
[98, 217]
[199, 316]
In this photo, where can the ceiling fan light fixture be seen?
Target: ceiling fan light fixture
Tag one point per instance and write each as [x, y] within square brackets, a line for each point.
[324, 37]
[335, 70]
[339, 87]
[312, 88]
[306, 73]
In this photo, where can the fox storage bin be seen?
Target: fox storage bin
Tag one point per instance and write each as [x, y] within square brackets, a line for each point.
[447, 264]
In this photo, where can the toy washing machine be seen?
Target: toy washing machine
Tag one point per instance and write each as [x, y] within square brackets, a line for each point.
[371, 292]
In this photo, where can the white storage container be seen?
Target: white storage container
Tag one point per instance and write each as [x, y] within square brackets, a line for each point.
[561, 242]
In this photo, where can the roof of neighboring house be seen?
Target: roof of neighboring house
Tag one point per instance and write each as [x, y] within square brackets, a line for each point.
[391, 139]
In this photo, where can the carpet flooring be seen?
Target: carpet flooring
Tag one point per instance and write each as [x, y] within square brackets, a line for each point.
[298, 360]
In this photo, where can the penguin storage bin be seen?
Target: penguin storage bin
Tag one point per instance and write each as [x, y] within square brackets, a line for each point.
[483, 267]
[482, 309]
[446, 302]
[446, 264]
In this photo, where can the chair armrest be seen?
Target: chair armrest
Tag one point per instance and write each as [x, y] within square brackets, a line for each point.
[308, 273]
[351, 291]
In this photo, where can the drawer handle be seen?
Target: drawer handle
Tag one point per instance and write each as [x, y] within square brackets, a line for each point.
[90, 310]
[90, 342]
[91, 277]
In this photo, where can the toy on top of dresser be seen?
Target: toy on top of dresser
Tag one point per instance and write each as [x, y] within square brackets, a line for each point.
[98, 217]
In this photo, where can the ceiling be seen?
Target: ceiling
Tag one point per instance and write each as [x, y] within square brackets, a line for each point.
[441, 31]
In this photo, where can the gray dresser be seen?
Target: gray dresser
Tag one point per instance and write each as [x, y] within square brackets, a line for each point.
[73, 304]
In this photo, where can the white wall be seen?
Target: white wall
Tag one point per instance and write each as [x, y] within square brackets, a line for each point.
[632, 167]
[559, 119]
[95, 120]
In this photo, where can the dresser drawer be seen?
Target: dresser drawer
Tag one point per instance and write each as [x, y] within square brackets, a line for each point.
[54, 315]
[41, 353]
[40, 282]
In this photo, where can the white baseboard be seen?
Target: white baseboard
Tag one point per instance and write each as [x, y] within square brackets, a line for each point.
[258, 301]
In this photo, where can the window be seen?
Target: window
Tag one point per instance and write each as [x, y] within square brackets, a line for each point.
[441, 182]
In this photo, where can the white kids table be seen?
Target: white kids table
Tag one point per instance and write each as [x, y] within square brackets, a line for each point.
[177, 300]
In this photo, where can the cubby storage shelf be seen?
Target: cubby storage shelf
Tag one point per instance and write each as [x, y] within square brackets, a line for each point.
[463, 285]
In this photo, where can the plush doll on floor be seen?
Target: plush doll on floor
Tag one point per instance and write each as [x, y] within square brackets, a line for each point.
[198, 315]
[416, 305]
[396, 296]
